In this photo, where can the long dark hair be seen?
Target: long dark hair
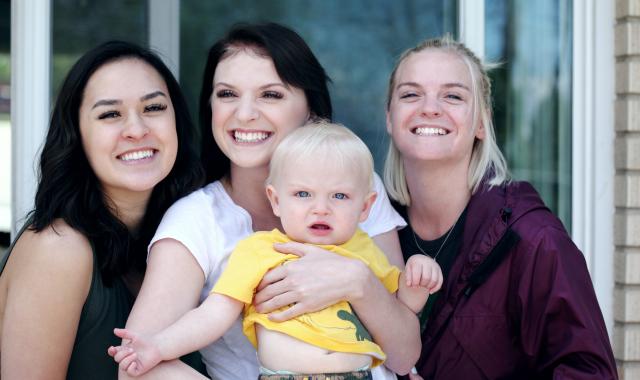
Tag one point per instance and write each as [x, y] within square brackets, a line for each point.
[295, 64]
[68, 188]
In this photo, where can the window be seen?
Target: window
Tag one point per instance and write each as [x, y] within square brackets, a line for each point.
[356, 41]
[532, 93]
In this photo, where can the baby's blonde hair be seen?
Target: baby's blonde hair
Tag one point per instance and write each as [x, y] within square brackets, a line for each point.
[323, 142]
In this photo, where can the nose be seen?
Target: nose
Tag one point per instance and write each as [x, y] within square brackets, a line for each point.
[247, 110]
[431, 107]
[135, 127]
[321, 207]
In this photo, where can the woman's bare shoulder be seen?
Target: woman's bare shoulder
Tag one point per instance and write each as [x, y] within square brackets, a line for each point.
[58, 249]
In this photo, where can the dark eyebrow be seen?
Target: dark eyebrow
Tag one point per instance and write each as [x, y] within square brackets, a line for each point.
[106, 102]
[152, 95]
[261, 87]
[111, 102]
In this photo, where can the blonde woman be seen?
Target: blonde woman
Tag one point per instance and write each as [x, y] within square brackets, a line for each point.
[517, 299]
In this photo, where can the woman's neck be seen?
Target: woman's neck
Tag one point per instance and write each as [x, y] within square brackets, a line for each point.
[439, 194]
[246, 187]
[129, 207]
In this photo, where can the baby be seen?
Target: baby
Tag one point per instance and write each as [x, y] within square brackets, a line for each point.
[319, 185]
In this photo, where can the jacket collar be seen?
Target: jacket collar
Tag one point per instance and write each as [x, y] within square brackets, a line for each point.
[490, 213]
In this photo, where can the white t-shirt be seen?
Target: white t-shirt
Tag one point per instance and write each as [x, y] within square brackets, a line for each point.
[209, 224]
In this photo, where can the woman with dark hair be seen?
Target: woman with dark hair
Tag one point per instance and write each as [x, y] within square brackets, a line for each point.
[260, 83]
[117, 154]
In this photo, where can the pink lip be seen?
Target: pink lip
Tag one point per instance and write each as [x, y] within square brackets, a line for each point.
[320, 229]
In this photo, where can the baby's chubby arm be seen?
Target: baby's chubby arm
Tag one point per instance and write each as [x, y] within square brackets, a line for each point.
[421, 276]
[196, 329]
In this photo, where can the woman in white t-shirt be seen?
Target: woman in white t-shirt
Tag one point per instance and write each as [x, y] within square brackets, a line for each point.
[260, 83]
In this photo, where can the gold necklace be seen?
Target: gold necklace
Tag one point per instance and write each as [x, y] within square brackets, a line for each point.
[415, 239]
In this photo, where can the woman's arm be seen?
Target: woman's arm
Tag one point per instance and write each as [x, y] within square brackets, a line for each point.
[560, 322]
[335, 278]
[171, 287]
[48, 278]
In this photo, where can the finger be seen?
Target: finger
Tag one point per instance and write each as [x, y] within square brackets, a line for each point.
[277, 302]
[292, 312]
[295, 248]
[425, 276]
[127, 360]
[439, 280]
[299, 249]
[124, 334]
[114, 350]
[134, 370]
[417, 275]
[122, 353]
[272, 276]
[408, 278]
[433, 279]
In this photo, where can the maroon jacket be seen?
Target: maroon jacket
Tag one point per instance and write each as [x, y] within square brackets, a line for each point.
[518, 302]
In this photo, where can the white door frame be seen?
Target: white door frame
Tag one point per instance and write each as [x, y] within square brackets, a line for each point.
[30, 88]
[593, 133]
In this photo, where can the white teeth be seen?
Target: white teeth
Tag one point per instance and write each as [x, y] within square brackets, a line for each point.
[430, 131]
[137, 155]
[250, 137]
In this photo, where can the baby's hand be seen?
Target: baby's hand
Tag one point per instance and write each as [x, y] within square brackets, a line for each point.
[423, 271]
[137, 355]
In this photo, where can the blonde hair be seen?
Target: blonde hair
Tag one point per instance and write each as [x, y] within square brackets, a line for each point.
[323, 141]
[487, 162]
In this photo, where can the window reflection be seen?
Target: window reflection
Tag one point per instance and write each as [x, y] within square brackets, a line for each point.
[532, 93]
[356, 41]
[81, 25]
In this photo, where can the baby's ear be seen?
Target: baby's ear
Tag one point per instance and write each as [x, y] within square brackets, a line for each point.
[369, 199]
[272, 194]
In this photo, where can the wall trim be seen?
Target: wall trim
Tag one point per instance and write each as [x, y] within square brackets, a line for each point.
[164, 32]
[30, 99]
[593, 134]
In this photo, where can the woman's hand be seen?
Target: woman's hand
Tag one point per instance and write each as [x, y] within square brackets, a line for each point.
[319, 279]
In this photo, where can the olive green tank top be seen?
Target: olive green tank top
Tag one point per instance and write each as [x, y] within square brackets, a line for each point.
[104, 309]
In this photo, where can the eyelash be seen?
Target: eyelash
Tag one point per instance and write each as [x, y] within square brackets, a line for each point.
[408, 95]
[224, 94]
[155, 107]
[272, 95]
[108, 115]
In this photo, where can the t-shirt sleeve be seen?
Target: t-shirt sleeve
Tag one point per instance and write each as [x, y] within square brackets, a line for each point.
[382, 217]
[190, 222]
[248, 263]
[370, 254]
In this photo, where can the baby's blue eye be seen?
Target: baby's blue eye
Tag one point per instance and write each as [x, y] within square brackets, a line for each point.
[340, 196]
[302, 194]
